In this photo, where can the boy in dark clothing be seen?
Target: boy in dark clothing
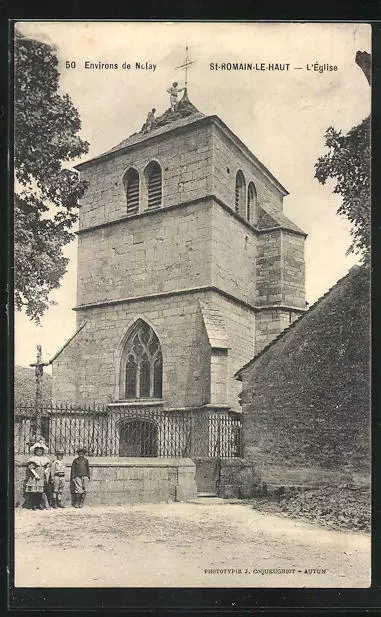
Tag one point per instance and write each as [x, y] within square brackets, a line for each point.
[80, 476]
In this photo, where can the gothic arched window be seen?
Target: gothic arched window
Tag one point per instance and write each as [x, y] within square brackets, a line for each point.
[252, 203]
[153, 177]
[240, 193]
[142, 364]
[131, 187]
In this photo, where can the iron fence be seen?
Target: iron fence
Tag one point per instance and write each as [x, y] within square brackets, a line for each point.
[116, 430]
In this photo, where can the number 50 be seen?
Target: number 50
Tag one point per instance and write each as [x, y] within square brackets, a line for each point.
[70, 64]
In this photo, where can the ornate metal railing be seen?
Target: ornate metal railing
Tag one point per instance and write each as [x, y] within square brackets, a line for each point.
[129, 431]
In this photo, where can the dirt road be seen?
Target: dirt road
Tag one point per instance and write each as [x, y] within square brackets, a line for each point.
[209, 543]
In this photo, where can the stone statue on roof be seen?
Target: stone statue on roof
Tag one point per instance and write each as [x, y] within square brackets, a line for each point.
[150, 123]
[173, 92]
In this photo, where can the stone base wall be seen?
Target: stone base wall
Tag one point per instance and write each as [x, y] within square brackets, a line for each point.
[242, 479]
[275, 477]
[127, 480]
[238, 479]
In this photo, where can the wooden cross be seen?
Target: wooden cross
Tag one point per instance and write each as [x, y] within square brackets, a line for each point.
[186, 64]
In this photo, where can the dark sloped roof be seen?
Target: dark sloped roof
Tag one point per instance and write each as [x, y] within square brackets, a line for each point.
[269, 217]
[342, 287]
[186, 113]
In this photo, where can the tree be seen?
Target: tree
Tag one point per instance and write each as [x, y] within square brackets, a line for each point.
[348, 162]
[46, 194]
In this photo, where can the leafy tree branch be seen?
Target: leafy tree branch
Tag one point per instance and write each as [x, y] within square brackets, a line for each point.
[46, 136]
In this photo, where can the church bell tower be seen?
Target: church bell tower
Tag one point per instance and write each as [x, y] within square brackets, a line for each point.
[187, 267]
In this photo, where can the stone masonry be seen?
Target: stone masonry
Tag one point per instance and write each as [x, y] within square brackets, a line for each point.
[214, 286]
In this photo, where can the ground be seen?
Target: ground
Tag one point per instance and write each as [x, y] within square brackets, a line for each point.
[205, 543]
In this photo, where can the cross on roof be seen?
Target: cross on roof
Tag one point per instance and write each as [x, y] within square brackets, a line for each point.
[186, 64]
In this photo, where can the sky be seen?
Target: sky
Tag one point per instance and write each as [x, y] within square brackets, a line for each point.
[281, 116]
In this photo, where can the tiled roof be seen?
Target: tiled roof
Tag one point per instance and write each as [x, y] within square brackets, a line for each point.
[269, 217]
[137, 138]
[339, 289]
[185, 114]
[25, 387]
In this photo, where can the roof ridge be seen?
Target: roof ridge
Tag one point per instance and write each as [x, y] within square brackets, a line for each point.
[66, 343]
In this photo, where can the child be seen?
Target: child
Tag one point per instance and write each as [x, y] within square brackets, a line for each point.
[35, 482]
[80, 476]
[57, 478]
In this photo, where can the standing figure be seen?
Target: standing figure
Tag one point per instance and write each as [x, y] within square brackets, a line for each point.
[150, 123]
[36, 478]
[57, 478]
[80, 476]
[173, 91]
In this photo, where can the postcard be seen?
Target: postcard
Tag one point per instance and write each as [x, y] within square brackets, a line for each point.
[192, 325]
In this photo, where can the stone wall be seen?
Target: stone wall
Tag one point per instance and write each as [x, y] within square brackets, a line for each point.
[126, 265]
[293, 284]
[198, 244]
[127, 480]
[87, 370]
[306, 399]
[268, 324]
[196, 160]
[186, 161]
[92, 361]
[167, 251]
[294, 448]
[227, 160]
[234, 250]
[280, 269]
[238, 479]
[219, 377]
[245, 478]
[269, 268]
[239, 326]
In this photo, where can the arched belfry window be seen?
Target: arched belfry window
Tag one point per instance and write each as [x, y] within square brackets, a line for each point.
[240, 193]
[142, 364]
[131, 187]
[252, 203]
[153, 177]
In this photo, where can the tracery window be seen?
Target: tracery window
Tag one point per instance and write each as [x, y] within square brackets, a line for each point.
[153, 177]
[131, 187]
[142, 364]
[240, 193]
[251, 203]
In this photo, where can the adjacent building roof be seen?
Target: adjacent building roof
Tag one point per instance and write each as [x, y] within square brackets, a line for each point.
[25, 387]
[349, 295]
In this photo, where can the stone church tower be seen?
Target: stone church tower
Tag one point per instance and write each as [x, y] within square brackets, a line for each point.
[187, 267]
